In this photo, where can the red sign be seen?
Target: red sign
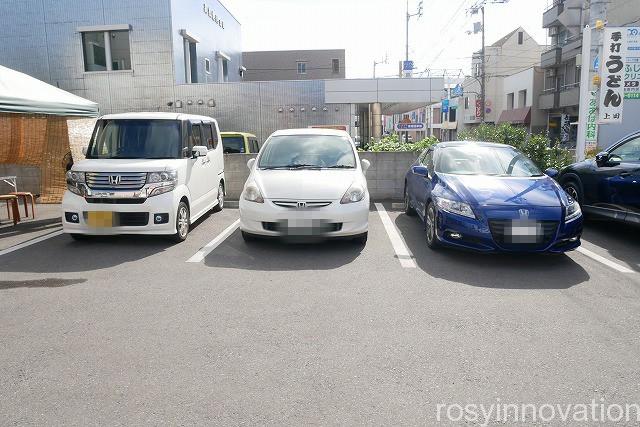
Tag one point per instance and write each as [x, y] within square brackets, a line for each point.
[478, 108]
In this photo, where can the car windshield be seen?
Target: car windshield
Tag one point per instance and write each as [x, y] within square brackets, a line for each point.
[308, 151]
[233, 144]
[136, 139]
[485, 160]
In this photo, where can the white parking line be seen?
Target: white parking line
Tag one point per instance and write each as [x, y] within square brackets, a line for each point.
[30, 242]
[399, 246]
[209, 247]
[603, 260]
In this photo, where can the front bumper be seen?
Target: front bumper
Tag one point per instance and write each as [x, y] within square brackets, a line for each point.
[476, 234]
[259, 218]
[164, 204]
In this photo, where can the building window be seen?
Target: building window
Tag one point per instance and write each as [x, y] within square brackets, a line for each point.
[106, 50]
[335, 65]
[510, 97]
[520, 37]
[225, 70]
[302, 68]
[207, 65]
[522, 98]
[466, 102]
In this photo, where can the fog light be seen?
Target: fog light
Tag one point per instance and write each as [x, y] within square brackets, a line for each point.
[455, 236]
[72, 217]
[573, 239]
[162, 218]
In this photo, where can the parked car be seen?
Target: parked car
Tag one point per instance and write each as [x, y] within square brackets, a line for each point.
[145, 173]
[306, 182]
[239, 142]
[490, 197]
[609, 185]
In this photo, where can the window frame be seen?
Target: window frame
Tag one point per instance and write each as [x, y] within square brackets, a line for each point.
[304, 65]
[106, 31]
[335, 70]
[207, 65]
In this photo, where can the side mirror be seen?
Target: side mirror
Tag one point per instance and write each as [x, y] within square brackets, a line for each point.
[420, 170]
[365, 164]
[250, 163]
[85, 150]
[602, 158]
[199, 151]
[551, 172]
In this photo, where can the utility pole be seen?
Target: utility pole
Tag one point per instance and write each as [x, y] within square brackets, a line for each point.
[409, 16]
[376, 63]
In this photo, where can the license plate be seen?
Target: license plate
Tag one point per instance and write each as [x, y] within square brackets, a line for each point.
[303, 227]
[99, 219]
[523, 231]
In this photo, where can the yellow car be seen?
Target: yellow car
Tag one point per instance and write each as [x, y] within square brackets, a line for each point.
[239, 142]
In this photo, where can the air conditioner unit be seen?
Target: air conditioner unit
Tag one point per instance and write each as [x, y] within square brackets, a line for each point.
[553, 31]
[551, 72]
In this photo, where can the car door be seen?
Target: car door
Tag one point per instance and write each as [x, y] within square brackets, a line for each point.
[424, 183]
[412, 183]
[197, 175]
[210, 139]
[621, 187]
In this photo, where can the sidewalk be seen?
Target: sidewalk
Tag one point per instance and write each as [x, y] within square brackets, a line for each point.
[47, 220]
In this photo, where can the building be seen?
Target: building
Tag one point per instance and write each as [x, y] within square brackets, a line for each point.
[561, 62]
[515, 52]
[521, 92]
[294, 65]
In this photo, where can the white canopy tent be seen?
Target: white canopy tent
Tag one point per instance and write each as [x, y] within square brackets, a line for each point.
[21, 93]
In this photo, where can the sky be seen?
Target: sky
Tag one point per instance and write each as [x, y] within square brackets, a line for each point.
[375, 29]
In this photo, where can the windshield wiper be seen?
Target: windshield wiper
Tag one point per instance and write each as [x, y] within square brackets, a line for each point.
[340, 167]
[296, 166]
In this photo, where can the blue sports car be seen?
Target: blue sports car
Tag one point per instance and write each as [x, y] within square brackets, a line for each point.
[490, 197]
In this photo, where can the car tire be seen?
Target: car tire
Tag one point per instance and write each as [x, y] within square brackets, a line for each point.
[248, 237]
[574, 189]
[408, 210]
[431, 236]
[79, 237]
[182, 223]
[361, 239]
[220, 205]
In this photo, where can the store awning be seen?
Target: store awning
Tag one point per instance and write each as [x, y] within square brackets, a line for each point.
[518, 116]
[21, 93]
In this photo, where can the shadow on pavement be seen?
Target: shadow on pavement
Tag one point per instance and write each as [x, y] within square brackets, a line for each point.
[501, 271]
[277, 255]
[41, 283]
[621, 241]
[29, 227]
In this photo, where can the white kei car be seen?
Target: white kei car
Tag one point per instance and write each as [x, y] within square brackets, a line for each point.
[306, 182]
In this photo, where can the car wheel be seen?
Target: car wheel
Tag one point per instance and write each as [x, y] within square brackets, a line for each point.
[408, 210]
[361, 239]
[572, 188]
[430, 226]
[182, 223]
[220, 205]
[248, 237]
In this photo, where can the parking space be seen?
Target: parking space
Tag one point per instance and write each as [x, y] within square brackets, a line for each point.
[276, 333]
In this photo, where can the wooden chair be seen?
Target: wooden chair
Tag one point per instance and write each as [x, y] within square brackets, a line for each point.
[24, 196]
[12, 200]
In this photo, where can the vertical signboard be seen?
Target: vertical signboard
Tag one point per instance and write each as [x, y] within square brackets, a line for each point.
[613, 61]
[478, 108]
[592, 118]
[632, 67]
[565, 128]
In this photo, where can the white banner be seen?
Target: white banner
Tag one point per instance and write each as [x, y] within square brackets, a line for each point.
[614, 51]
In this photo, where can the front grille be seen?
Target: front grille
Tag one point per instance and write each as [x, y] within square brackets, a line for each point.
[127, 180]
[115, 201]
[133, 219]
[300, 204]
[548, 232]
[279, 227]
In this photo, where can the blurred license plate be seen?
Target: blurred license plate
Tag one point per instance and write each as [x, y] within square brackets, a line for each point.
[303, 226]
[99, 219]
[523, 231]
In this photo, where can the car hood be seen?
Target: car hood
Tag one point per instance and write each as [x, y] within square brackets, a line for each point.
[305, 184]
[504, 191]
[124, 165]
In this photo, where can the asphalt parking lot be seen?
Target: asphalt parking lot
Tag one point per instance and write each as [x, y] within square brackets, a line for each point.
[124, 330]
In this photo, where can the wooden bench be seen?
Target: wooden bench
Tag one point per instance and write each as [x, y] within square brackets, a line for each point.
[26, 196]
[12, 200]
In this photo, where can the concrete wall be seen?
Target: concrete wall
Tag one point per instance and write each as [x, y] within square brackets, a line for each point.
[385, 178]
[28, 178]
[283, 64]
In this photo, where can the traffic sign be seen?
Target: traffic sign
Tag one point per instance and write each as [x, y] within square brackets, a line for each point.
[404, 127]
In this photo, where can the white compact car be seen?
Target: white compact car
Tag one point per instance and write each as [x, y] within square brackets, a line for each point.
[306, 182]
[145, 173]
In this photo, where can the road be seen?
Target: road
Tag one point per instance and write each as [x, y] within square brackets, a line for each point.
[125, 331]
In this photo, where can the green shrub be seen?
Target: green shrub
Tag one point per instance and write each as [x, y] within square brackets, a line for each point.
[393, 143]
[538, 147]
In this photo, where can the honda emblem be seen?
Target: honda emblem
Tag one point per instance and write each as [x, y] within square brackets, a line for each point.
[114, 179]
[302, 205]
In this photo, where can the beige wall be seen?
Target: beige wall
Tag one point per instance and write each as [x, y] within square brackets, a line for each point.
[283, 65]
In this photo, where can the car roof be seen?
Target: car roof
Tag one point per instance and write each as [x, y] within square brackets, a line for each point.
[467, 143]
[310, 131]
[155, 116]
[247, 134]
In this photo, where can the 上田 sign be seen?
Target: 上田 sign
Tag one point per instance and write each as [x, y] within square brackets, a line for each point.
[614, 53]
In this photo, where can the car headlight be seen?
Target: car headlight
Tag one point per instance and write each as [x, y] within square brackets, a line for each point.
[458, 208]
[252, 193]
[161, 182]
[355, 193]
[75, 182]
[573, 210]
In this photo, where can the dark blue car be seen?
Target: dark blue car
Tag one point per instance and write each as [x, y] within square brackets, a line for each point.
[490, 197]
[609, 185]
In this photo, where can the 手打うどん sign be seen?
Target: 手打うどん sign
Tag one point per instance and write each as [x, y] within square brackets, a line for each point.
[614, 52]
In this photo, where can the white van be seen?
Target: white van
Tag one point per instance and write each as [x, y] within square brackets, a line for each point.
[145, 173]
